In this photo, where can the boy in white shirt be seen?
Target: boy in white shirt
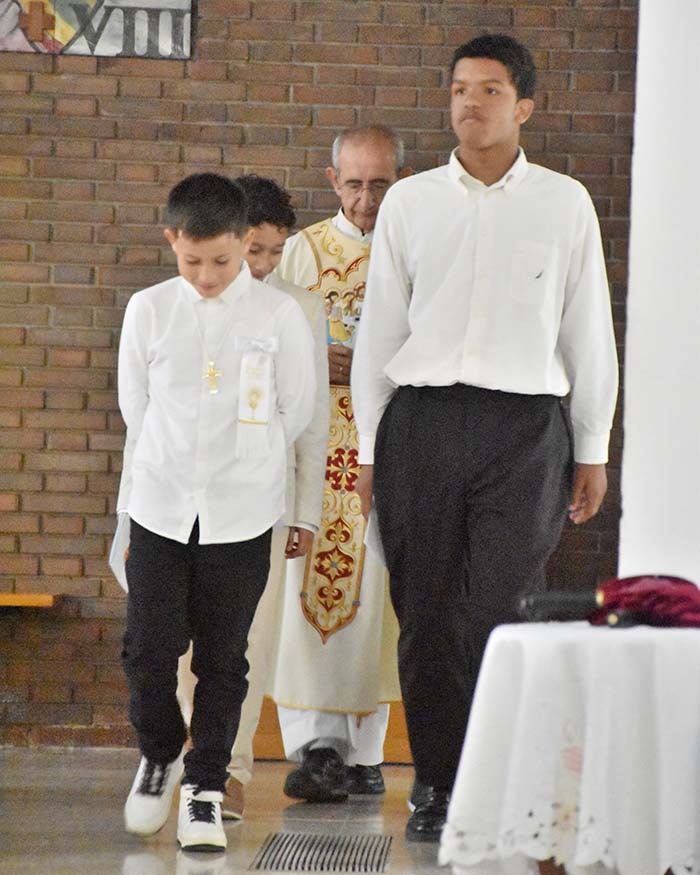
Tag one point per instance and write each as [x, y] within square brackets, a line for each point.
[216, 381]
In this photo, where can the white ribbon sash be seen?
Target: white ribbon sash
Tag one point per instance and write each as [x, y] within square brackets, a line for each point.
[255, 395]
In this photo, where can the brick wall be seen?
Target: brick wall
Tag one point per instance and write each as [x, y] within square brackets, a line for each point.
[88, 150]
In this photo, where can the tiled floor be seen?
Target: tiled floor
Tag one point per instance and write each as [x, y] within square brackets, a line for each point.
[61, 814]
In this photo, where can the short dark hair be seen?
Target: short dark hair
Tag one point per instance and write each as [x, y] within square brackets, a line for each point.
[267, 201]
[512, 54]
[205, 205]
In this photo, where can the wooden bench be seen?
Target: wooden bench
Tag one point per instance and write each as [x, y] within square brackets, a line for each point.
[28, 599]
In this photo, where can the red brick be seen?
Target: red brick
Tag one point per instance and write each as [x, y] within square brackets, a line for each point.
[66, 377]
[25, 190]
[13, 564]
[64, 566]
[73, 85]
[63, 525]
[66, 483]
[62, 462]
[10, 418]
[10, 377]
[8, 502]
[72, 128]
[76, 106]
[86, 337]
[209, 70]
[25, 145]
[336, 10]
[149, 68]
[23, 481]
[21, 398]
[14, 251]
[21, 439]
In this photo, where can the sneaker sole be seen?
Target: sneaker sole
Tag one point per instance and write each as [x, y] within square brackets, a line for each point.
[204, 849]
[231, 815]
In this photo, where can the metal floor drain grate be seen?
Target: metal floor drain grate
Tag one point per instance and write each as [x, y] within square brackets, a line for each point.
[313, 852]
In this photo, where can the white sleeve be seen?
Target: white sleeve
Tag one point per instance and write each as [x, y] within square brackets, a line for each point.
[295, 371]
[587, 341]
[384, 325]
[311, 448]
[132, 385]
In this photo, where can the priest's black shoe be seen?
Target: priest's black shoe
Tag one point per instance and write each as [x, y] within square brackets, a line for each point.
[320, 778]
[427, 821]
[364, 780]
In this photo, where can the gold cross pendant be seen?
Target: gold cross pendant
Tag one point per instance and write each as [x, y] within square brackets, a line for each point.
[211, 374]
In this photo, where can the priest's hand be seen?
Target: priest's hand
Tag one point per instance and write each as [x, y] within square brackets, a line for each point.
[590, 486]
[299, 542]
[364, 488]
[339, 364]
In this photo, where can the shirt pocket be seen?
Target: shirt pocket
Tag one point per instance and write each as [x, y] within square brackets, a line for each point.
[532, 272]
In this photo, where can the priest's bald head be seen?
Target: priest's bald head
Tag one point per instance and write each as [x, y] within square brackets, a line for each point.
[366, 162]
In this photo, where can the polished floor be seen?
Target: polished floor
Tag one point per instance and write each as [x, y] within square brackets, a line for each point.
[61, 814]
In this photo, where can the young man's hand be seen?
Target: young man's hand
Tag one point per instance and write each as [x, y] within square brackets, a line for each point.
[364, 488]
[299, 542]
[590, 486]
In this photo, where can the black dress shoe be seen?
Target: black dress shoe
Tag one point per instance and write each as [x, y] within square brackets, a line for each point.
[320, 778]
[419, 792]
[364, 780]
[427, 821]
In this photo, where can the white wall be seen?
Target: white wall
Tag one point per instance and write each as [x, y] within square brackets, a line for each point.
[660, 530]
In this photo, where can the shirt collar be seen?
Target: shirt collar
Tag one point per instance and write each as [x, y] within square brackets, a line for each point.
[229, 294]
[345, 226]
[510, 179]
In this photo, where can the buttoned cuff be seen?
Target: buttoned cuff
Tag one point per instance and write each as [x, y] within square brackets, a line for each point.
[366, 452]
[590, 449]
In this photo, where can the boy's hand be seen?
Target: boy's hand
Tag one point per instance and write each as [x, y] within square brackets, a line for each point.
[590, 486]
[364, 488]
[339, 364]
[299, 542]
[126, 555]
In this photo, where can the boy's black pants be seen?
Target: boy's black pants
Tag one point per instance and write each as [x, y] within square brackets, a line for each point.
[471, 489]
[207, 593]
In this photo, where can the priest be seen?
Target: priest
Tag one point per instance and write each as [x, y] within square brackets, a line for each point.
[336, 666]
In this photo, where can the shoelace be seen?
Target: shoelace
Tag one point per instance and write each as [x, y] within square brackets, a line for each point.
[201, 811]
[154, 778]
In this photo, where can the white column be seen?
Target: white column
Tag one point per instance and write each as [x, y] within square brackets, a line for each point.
[660, 529]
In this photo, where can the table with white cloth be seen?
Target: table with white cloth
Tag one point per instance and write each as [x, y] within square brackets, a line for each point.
[583, 746]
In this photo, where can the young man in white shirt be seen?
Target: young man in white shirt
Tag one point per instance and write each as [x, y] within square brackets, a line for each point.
[487, 303]
[216, 381]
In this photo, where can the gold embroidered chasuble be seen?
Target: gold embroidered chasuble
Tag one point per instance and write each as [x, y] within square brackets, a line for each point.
[343, 596]
[333, 577]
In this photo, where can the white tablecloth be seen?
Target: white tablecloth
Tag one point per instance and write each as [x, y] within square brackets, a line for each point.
[583, 745]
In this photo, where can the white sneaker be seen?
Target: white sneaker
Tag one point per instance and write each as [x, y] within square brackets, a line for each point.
[199, 825]
[151, 795]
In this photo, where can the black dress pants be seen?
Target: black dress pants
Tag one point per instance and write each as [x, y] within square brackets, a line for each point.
[207, 593]
[471, 489]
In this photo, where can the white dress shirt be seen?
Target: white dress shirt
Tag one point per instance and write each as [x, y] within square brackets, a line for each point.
[307, 458]
[345, 226]
[501, 286]
[184, 463]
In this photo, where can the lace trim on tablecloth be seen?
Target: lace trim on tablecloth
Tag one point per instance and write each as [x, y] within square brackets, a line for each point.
[550, 831]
